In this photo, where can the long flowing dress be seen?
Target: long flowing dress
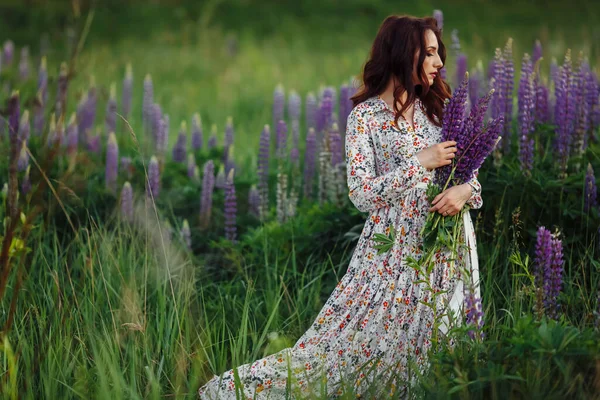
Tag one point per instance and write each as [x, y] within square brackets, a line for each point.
[374, 320]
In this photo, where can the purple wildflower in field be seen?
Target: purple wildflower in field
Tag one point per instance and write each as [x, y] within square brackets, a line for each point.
[38, 114]
[590, 192]
[335, 146]
[230, 208]
[127, 94]
[343, 110]
[461, 67]
[89, 110]
[439, 17]
[229, 132]
[580, 87]
[212, 140]
[186, 234]
[127, 202]
[94, 143]
[127, 167]
[537, 52]
[281, 144]
[208, 183]
[294, 152]
[8, 52]
[542, 266]
[191, 165]
[311, 110]
[72, 135]
[220, 180]
[24, 64]
[179, 150]
[474, 314]
[153, 182]
[526, 115]
[294, 106]
[43, 80]
[112, 163]
[508, 81]
[110, 120]
[564, 112]
[24, 127]
[61, 96]
[475, 84]
[263, 169]
[557, 268]
[278, 104]
[542, 112]
[147, 103]
[155, 124]
[230, 159]
[324, 115]
[26, 182]
[309, 162]
[197, 138]
[162, 141]
[23, 161]
[254, 201]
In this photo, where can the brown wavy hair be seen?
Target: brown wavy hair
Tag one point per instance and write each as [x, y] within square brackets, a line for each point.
[392, 55]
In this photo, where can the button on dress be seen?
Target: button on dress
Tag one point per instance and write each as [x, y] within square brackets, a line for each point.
[374, 320]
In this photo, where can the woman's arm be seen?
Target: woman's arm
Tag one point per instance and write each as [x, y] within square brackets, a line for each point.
[369, 192]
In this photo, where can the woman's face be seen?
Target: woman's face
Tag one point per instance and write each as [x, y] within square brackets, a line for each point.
[432, 63]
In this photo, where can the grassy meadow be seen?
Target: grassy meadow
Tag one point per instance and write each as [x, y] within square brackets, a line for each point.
[96, 306]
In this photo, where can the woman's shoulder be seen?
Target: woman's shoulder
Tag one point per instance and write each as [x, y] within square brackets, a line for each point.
[370, 106]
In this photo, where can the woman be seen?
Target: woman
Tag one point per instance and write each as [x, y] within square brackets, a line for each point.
[374, 321]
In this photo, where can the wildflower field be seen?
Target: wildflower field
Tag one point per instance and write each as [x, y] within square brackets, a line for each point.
[174, 199]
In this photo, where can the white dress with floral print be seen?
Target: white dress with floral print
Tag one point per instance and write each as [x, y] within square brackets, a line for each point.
[374, 318]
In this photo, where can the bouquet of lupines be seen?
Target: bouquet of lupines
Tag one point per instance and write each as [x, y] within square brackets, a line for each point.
[475, 141]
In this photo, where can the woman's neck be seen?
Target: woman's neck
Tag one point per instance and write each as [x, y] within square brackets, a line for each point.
[388, 96]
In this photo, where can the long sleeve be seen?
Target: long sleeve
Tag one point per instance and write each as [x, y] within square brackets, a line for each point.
[367, 191]
[475, 201]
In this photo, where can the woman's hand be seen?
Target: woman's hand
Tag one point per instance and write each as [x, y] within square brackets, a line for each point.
[452, 200]
[438, 155]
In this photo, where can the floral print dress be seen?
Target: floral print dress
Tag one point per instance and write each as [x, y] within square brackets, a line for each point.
[374, 320]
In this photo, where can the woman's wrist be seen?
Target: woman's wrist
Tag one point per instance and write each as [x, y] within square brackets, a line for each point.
[469, 190]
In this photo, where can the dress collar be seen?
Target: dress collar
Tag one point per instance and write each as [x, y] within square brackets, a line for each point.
[378, 104]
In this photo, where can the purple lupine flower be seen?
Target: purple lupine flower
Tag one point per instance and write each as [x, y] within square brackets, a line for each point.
[526, 115]
[557, 269]
[110, 120]
[564, 112]
[555, 72]
[89, 110]
[278, 104]
[24, 64]
[324, 115]
[509, 72]
[229, 132]
[127, 167]
[461, 67]
[475, 84]
[43, 80]
[112, 163]
[197, 139]
[309, 162]
[230, 160]
[94, 143]
[155, 126]
[230, 208]
[179, 149]
[127, 95]
[294, 106]
[281, 139]
[186, 234]
[72, 135]
[542, 114]
[63, 81]
[311, 110]
[537, 52]
[191, 165]
[543, 260]
[590, 192]
[220, 180]
[163, 142]
[496, 74]
[147, 103]
[343, 107]
[212, 140]
[26, 182]
[263, 170]
[254, 201]
[24, 127]
[208, 183]
[329, 92]
[38, 114]
[474, 314]
[153, 183]
[294, 154]
[335, 146]
[439, 17]
[127, 202]
[23, 161]
[8, 52]
[580, 87]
